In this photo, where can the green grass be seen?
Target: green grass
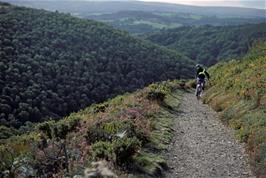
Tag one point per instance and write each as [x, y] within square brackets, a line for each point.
[163, 121]
[149, 163]
[160, 138]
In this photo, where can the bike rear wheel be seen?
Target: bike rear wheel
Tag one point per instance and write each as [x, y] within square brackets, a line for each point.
[198, 90]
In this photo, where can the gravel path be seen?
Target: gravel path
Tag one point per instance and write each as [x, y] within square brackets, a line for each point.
[202, 146]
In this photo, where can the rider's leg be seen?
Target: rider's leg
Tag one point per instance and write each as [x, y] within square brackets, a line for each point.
[202, 88]
[203, 84]
[197, 87]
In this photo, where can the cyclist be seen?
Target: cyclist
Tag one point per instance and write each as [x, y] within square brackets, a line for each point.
[201, 74]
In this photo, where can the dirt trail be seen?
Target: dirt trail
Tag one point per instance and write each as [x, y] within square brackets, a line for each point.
[202, 146]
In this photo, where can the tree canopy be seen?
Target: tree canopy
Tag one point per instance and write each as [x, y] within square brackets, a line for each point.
[52, 64]
[209, 44]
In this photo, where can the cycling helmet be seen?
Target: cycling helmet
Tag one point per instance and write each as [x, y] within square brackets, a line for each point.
[198, 66]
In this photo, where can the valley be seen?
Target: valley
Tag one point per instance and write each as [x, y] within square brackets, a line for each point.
[107, 89]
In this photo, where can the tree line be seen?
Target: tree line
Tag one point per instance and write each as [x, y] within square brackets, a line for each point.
[209, 44]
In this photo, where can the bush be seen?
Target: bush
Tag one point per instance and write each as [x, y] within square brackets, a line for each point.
[119, 151]
[106, 131]
[27, 128]
[72, 122]
[256, 143]
[100, 108]
[95, 133]
[156, 95]
[116, 126]
[156, 92]
[125, 148]
[150, 164]
[6, 132]
[59, 129]
[103, 150]
[46, 129]
[62, 128]
[14, 157]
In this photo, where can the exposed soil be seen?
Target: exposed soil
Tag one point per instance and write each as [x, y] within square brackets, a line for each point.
[202, 146]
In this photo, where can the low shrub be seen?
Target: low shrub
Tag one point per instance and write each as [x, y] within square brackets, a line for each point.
[116, 126]
[257, 147]
[119, 151]
[46, 129]
[108, 130]
[27, 127]
[100, 107]
[156, 95]
[13, 155]
[15, 165]
[103, 150]
[95, 133]
[59, 129]
[157, 92]
[125, 148]
[149, 164]
[6, 132]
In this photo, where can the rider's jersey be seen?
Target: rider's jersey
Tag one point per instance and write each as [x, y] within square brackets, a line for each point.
[202, 73]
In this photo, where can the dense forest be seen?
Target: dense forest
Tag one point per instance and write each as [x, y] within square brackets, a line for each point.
[139, 22]
[52, 64]
[209, 44]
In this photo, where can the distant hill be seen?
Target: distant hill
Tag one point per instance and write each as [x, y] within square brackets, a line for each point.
[140, 22]
[83, 8]
[139, 17]
[53, 64]
[208, 44]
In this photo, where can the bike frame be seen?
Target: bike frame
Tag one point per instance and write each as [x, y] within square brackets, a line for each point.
[199, 88]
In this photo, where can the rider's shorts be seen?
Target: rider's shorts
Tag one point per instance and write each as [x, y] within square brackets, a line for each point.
[200, 80]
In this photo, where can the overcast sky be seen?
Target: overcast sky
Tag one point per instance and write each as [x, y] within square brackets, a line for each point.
[238, 3]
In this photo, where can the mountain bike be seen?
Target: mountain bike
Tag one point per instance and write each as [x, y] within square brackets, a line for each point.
[199, 89]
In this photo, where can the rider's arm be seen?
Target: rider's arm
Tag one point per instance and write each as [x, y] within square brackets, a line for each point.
[197, 73]
[207, 74]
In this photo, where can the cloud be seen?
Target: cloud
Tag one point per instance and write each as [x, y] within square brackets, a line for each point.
[255, 4]
[235, 3]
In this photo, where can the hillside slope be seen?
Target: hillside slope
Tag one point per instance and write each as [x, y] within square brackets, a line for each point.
[130, 132]
[238, 92]
[207, 44]
[52, 64]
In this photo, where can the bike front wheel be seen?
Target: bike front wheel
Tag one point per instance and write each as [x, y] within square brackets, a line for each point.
[198, 90]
